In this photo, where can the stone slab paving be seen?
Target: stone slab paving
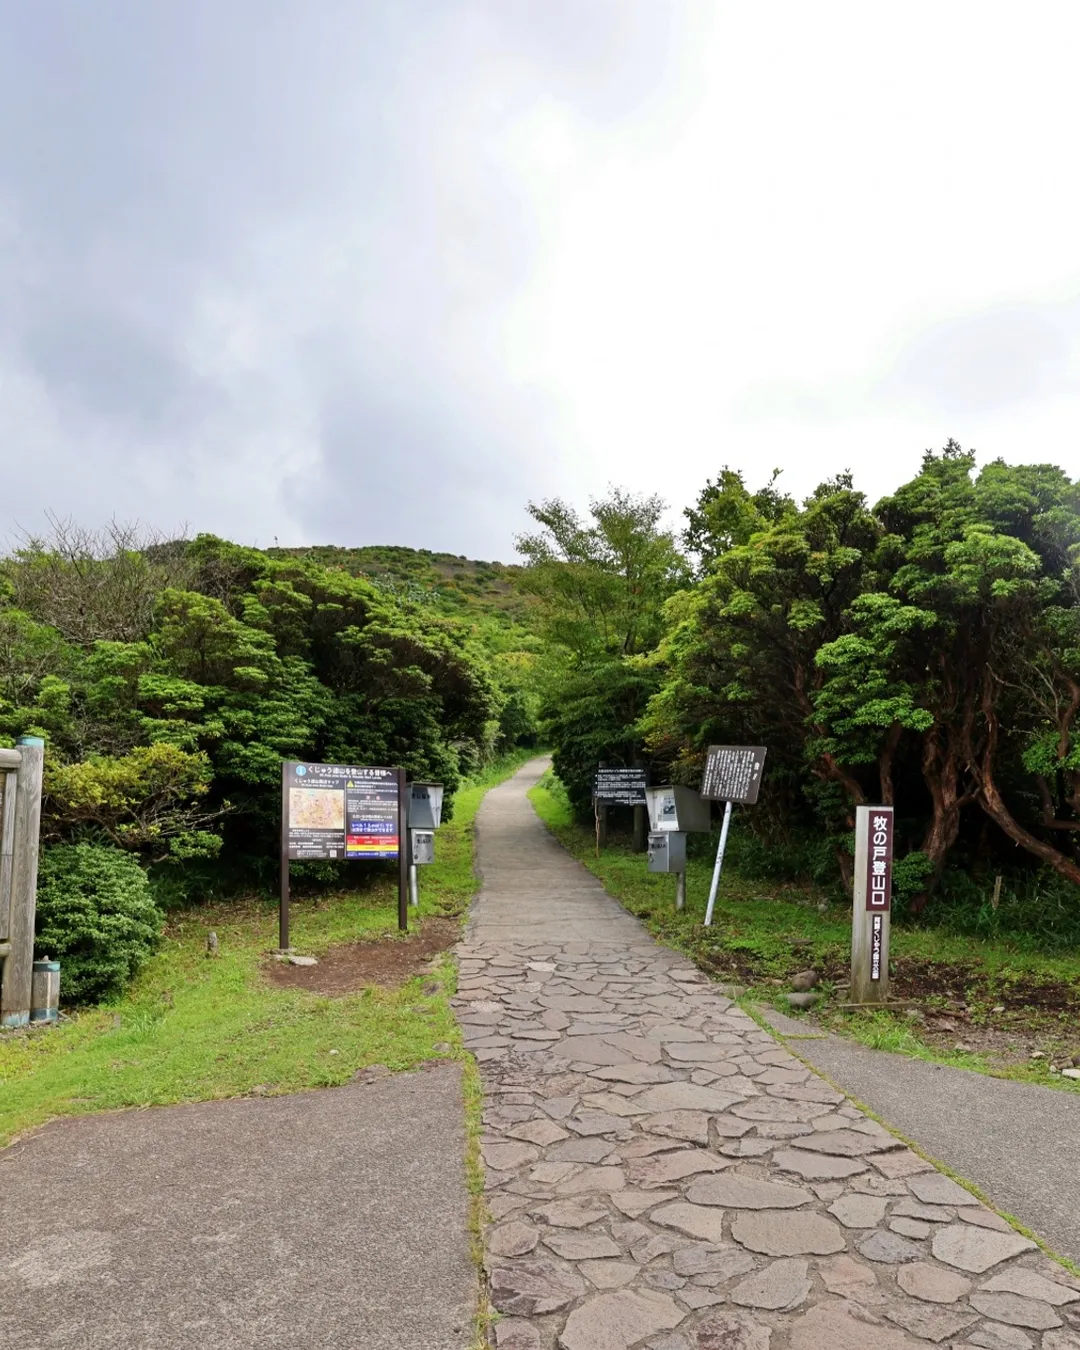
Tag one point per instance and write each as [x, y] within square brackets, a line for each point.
[1028, 1163]
[662, 1175]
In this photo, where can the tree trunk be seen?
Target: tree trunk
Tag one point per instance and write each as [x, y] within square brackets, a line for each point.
[941, 773]
[992, 802]
[846, 863]
[885, 763]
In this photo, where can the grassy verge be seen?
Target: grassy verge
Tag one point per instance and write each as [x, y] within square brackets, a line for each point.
[192, 1029]
[1004, 998]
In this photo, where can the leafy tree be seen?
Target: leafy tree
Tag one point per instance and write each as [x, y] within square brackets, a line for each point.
[740, 653]
[601, 586]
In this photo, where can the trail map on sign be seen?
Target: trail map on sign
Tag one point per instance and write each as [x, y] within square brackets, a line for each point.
[620, 787]
[339, 811]
[733, 773]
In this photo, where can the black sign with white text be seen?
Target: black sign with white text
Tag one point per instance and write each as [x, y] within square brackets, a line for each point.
[733, 773]
[620, 787]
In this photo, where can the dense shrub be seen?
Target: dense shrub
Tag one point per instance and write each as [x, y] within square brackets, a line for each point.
[95, 915]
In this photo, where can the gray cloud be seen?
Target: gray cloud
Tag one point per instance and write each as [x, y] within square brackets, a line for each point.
[257, 256]
[985, 362]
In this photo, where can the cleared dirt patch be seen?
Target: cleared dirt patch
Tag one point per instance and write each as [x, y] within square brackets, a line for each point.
[388, 961]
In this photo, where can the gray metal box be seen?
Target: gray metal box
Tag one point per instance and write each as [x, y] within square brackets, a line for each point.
[667, 851]
[422, 846]
[677, 808]
[425, 805]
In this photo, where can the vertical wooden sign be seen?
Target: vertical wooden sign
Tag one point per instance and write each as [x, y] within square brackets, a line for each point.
[872, 904]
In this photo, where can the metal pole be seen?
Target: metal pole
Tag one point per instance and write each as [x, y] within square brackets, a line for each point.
[680, 890]
[403, 852]
[414, 885]
[718, 867]
[283, 903]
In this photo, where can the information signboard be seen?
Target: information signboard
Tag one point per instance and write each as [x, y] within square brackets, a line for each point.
[620, 787]
[341, 811]
[733, 773]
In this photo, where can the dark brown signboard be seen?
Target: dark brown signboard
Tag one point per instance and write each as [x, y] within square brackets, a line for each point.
[879, 854]
[340, 811]
[733, 773]
[620, 787]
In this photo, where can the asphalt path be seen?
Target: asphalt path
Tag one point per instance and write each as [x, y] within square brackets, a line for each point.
[332, 1218]
[1018, 1142]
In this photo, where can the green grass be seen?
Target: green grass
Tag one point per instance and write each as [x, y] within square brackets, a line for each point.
[192, 1028]
[763, 932]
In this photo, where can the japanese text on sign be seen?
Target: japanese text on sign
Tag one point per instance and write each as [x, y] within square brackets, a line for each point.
[876, 930]
[879, 855]
[733, 773]
[339, 811]
[620, 787]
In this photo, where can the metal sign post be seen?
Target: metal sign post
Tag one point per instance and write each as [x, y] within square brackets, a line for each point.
[714, 885]
[732, 774]
[342, 812]
[872, 904]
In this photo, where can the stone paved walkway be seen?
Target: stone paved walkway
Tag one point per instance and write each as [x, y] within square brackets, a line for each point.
[662, 1175]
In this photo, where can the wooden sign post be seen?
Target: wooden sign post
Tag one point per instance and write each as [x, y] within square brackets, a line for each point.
[20, 837]
[872, 904]
[732, 774]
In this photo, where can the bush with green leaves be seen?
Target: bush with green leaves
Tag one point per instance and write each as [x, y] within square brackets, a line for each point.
[95, 915]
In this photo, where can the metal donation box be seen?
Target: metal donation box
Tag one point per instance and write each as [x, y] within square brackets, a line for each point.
[425, 817]
[667, 851]
[673, 812]
[423, 846]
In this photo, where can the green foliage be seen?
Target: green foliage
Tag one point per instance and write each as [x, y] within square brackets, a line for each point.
[96, 916]
[166, 731]
[924, 653]
[601, 587]
[146, 800]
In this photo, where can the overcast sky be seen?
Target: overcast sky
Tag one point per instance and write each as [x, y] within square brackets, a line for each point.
[380, 271]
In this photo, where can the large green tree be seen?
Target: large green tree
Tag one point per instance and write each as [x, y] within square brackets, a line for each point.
[600, 584]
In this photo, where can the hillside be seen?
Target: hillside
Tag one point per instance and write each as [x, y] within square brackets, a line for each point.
[453, 584]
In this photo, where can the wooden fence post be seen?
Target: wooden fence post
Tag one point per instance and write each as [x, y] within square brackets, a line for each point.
[19, 966]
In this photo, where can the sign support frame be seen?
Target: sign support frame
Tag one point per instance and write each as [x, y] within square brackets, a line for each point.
[403, 852]
[283, 901]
